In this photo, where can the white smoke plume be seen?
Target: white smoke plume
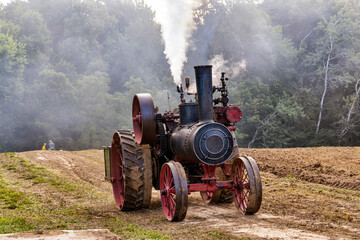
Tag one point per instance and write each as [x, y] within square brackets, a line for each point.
[177, 23]
[221, 65]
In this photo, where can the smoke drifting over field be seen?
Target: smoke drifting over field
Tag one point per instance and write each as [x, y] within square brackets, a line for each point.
[232, 69]
[177, 24]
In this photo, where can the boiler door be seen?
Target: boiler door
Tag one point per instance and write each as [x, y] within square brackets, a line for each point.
[213, 143]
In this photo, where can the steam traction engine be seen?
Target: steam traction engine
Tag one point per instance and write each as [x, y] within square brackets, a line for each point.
[190, 149]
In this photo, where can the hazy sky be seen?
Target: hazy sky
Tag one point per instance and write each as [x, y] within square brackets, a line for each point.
[5, 1]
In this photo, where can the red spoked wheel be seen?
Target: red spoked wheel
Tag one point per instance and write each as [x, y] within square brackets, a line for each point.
[143, 116]
[173, 191]
[248, 188]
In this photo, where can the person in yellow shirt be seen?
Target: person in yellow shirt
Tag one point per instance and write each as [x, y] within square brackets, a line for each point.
[44, 146]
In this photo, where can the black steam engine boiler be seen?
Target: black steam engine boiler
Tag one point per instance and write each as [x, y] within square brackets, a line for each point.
[190, 149]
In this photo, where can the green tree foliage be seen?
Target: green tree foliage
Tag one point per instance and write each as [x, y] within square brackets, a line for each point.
[12, 62]
[69, 69]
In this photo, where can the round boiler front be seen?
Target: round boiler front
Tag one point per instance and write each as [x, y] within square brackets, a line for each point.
[213, 143]
[207, 142]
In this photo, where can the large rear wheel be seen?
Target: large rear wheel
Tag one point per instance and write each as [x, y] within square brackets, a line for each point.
[129, 176]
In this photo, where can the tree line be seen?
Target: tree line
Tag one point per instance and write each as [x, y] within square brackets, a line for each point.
[69, 69]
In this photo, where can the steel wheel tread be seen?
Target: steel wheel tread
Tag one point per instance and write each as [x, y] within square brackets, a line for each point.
[258, 183]
[184, 190]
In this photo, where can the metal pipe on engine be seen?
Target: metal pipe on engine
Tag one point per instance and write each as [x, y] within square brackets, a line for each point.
[203, 75]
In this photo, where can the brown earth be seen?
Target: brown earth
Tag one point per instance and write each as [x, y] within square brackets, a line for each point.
[308, 193]
[90, 234]
[333, 166]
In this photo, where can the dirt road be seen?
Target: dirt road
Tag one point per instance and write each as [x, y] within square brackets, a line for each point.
[308, 193]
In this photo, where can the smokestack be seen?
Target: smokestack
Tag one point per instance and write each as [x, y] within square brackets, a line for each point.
[203, 75]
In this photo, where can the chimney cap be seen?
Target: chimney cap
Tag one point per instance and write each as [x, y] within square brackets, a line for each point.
[203, 66]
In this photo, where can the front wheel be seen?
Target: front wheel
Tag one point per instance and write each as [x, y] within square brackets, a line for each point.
[173, 191]
[248, 189]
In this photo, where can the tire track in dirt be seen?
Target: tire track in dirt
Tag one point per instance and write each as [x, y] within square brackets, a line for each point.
[74, 165]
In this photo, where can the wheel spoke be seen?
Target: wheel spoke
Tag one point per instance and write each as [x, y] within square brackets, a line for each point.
[166, 177]
[245, 204]
[242, 185]
[172, 182]
[238, 196]
[247, 196]
[245, 176]
[172, 190]
[173, 200]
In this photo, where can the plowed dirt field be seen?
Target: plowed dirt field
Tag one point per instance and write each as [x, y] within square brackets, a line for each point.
[308, 193]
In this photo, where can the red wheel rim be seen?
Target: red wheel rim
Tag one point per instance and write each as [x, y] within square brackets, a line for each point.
[117, 171]
[242, 186]
[168, 194]
[207, 196]
[143, 116]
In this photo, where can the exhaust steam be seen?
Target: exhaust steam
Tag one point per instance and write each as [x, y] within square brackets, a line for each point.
[177, 23]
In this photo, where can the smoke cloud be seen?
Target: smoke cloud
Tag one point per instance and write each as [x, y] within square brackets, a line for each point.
[221, 65]
[177, 24]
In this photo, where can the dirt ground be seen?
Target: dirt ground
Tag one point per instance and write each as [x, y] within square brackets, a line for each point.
[90, 234]
[308, 193]
[332, 166]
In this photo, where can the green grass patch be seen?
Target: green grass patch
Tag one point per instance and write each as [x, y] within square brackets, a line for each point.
[45, 212]
[14, 224]
[40, 175]
[11, 198]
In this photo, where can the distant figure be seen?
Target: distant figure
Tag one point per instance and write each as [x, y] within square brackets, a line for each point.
[44, 146]
[51, 145]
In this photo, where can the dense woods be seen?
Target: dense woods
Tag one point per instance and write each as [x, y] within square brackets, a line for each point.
[69, 69]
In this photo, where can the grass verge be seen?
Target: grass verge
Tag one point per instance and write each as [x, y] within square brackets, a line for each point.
[33, 198]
